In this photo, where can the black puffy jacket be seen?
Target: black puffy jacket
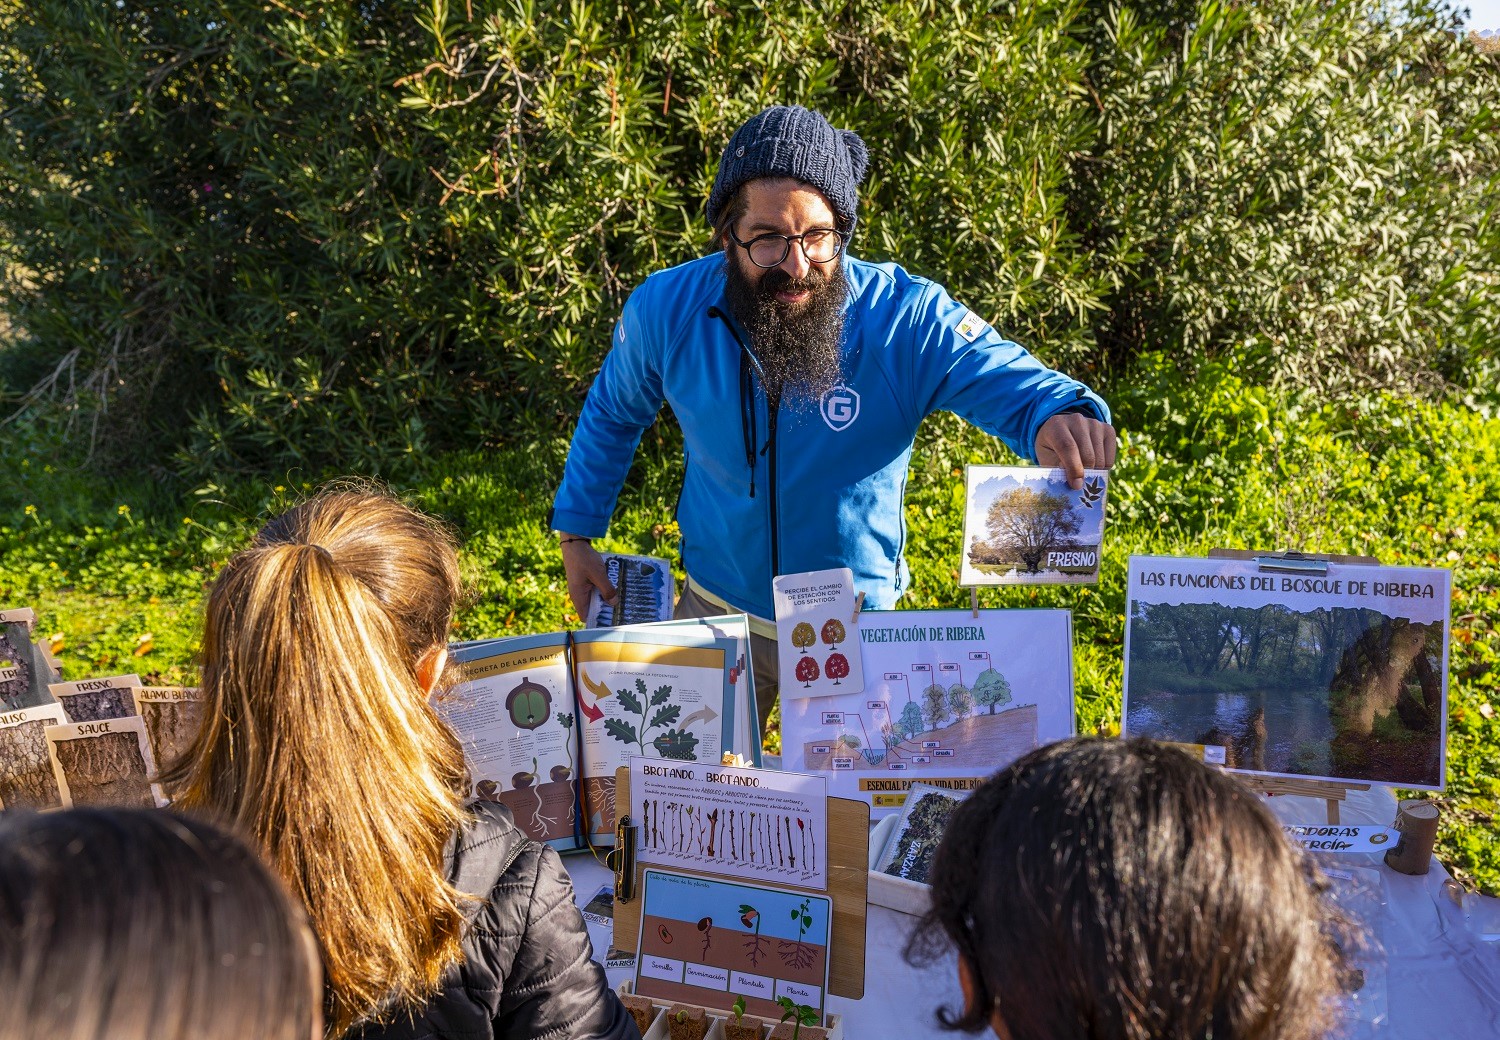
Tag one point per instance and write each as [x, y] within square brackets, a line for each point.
[528, 970]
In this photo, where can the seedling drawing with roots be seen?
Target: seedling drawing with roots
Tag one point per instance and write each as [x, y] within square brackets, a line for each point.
[798, 954]
[755, 945]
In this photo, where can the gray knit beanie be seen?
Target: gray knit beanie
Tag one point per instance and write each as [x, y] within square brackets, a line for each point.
[791, 141]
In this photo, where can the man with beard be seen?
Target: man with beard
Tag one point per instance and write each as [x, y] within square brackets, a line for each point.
[799, 376]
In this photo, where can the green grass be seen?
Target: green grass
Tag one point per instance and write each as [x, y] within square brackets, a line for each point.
[1222, 465]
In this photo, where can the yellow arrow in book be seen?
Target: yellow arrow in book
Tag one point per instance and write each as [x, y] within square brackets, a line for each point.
[599, 690]
[705, 713]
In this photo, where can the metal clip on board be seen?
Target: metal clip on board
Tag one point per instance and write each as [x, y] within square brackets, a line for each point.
[621, 859]
[1292, 563]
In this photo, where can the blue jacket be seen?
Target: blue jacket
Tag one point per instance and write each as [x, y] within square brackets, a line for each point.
[818, 487]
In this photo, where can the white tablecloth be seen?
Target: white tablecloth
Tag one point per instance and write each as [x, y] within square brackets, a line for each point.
[1442, 979]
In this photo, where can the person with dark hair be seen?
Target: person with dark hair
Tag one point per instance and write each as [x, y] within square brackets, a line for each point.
[799, 376]
[136, 924]
[1119, 890]
[323, 642]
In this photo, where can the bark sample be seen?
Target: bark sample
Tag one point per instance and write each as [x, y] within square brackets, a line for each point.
[171, 727]
[113, 702]
[26, 778]
[107, 769]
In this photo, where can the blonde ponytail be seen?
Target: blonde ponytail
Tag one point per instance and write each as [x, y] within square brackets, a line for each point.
[320, 743]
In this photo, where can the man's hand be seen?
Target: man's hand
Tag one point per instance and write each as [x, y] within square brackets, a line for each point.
[1074, 443]
[586, 572]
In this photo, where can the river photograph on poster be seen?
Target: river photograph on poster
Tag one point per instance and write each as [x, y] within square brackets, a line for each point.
[1338, 676]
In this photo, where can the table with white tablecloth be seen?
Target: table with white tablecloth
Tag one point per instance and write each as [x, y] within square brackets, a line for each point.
[1433, 970]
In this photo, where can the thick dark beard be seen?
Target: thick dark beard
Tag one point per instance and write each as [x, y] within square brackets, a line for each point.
[798, 347]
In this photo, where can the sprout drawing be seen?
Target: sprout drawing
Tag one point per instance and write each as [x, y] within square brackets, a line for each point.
[640, 704]
[803, 636]
[706, 926]
[798, 954]
[541, 822]
[755, 944]
[833, 633]
[565, 720]
[713, 822]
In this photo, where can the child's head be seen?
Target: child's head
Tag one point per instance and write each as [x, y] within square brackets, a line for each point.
[322, 642]
[1119, 890]
[140, 925]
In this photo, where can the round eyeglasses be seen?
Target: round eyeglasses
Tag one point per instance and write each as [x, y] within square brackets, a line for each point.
[820, 245]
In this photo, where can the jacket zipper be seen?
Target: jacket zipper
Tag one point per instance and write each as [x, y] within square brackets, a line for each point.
[770, 449]
[771, 410]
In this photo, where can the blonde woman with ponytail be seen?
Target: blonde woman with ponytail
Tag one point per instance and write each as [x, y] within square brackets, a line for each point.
[324, 640]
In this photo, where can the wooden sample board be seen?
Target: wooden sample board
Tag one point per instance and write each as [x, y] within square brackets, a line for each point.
[848, 888]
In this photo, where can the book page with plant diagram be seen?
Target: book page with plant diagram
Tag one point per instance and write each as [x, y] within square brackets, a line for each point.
[654, 693]
[515, 713]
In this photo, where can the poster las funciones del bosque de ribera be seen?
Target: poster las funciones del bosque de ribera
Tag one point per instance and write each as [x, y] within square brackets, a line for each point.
[948, 699]
[1340, 676]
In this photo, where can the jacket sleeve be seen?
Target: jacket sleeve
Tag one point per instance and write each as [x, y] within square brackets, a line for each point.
[555, 990]
[623, 401]
[962, 365]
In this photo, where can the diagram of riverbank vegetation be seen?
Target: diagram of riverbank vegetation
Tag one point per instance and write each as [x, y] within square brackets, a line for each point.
[926, 715]
[950, 696]
[1336, 693]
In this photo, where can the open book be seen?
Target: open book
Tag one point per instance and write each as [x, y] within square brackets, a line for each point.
[546, 719]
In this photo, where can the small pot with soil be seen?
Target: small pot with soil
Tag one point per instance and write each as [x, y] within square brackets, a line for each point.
[788, 1030]
[746, 1027]
[641, 1009]
[687, 1022]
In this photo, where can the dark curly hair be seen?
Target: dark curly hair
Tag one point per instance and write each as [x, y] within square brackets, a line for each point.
[1119, 890]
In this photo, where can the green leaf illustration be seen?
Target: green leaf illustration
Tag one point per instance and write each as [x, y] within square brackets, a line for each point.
[660, 696]
[620, 730]
[665, 716]
[631, 703]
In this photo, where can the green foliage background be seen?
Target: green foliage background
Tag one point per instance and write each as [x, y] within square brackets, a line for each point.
[246, 242]
[246, 237]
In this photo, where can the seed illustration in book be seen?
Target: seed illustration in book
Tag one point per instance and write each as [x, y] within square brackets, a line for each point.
[529, 704]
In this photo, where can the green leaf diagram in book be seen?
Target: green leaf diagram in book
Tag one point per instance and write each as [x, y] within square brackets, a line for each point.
[651, 712]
